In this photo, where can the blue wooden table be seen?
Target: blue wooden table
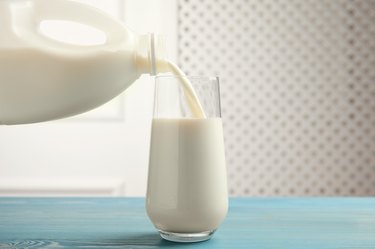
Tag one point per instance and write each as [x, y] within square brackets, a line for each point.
[316, 223]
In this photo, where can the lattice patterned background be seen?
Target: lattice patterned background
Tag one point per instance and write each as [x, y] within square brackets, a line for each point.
[298, 90]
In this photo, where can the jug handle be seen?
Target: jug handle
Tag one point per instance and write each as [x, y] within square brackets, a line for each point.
[67, 10]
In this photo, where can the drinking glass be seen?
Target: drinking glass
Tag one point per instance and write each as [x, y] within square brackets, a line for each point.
[187, 196]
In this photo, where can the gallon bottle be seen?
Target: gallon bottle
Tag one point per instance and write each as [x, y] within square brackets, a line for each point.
[43, 79]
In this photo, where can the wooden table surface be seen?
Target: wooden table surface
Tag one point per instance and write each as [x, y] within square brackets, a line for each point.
[301, 223]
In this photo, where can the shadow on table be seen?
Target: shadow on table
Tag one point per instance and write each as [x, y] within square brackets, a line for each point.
[145, 239]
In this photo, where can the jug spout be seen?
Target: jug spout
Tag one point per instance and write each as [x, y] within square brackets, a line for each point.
[151, 56]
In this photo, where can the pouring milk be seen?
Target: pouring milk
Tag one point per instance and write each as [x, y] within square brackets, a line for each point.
[43, 79]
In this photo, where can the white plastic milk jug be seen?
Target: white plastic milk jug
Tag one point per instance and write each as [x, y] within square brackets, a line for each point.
[44, 79]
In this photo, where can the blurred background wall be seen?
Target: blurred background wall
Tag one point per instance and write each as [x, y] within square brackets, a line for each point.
[298, 103]
[298, 90]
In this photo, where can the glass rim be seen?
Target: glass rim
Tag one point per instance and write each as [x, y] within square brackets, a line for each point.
[205, 77]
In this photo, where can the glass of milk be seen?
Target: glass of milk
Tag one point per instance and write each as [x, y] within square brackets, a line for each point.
[187, 195]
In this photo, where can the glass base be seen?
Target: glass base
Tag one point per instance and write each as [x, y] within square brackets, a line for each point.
[186, 237]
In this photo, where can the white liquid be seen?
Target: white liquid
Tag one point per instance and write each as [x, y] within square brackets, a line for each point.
[191, 97]
[187, 187]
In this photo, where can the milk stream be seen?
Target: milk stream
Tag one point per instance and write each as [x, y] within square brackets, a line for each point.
[191, 97]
